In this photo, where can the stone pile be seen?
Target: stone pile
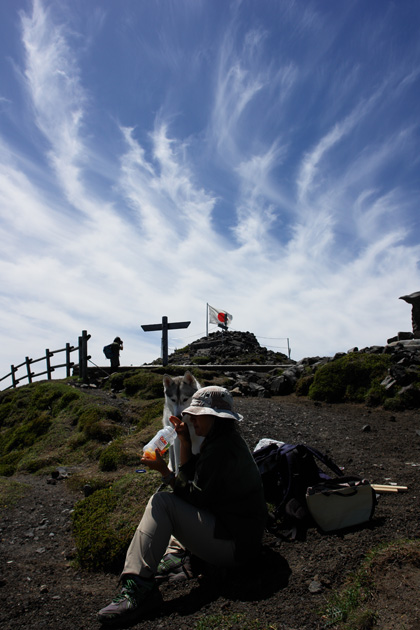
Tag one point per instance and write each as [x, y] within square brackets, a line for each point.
[224, 348]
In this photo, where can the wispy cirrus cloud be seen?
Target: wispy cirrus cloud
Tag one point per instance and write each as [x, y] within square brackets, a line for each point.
[57, 95]
[277, 199]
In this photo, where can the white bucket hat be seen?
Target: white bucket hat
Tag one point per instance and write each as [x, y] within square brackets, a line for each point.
[213, 401]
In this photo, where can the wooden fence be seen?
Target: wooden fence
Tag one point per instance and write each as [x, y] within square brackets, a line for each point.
[69, 349]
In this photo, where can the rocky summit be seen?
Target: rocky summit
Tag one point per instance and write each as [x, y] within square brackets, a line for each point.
[223, 348]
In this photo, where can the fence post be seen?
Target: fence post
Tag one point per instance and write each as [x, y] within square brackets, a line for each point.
[47, 359]
[83, 355]
[80, 358]
[68, 362]
[28, 368]
[13, 370]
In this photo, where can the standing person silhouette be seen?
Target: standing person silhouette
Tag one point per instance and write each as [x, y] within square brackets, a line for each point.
[117, 346]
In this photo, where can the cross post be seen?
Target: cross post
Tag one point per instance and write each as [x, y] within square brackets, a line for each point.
[164, 327]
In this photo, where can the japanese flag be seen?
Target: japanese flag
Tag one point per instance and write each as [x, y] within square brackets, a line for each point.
[219, 317]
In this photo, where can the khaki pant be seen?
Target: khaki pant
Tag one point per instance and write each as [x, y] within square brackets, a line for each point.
[167, 515]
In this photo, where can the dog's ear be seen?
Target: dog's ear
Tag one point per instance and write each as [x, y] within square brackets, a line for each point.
[188, 378]
[167, 380]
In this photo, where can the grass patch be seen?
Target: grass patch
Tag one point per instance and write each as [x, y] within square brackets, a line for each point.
[46, 424]
[149, 413]
[406, 398]
[104, 522]
[136, 382]
[111, 457]
[232, 621]
[10, 492]
[354, 606]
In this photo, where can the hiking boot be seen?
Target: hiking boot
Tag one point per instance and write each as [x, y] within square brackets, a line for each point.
[174, 567]
[137, 598]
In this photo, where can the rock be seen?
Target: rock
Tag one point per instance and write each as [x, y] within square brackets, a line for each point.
[315, 587]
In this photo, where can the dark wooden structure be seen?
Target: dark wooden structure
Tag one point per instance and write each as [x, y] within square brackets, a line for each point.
[164, 327]
[82, 347]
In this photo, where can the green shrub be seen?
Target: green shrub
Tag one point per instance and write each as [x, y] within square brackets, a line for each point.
[30, 401]
[141, 383]
[25, 433]
[94, 412]
[7, 470]
[98, 547]
[9, 463]
[349, 378]
[303, 385]
[44, 396]
[149, 413]
[104, 523]
[407, 398]
[148, 384]
[5, 410]
[89, 414]
[116, 381]
[101, 431]
[111, 457]
[52, 396]
[98, 422]
[376, 395]
[67, 399]
[34, 465]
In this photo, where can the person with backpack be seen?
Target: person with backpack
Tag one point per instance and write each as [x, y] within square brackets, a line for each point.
[216, 508]
[112, 352]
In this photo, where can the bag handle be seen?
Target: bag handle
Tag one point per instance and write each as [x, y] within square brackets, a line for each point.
[326, 460]
[329, 493]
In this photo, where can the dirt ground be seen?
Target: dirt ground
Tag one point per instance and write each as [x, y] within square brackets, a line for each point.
[40, 590]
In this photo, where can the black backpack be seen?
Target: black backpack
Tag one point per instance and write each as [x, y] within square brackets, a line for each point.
[287, 471]
[109, 351]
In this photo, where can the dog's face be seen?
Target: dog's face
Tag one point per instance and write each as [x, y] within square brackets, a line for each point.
[178, 392]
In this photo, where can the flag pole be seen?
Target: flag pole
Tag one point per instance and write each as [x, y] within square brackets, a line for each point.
[207, 320]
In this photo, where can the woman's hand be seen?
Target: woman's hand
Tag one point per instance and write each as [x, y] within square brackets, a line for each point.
[157, 463]
[184, 437]
[181, 429]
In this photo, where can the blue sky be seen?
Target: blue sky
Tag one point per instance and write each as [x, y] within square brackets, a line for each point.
[159, 155]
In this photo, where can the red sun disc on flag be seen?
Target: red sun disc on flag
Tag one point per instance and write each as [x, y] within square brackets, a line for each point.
[221, 317]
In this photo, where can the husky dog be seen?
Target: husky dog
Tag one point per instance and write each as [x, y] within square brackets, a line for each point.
[178, 392]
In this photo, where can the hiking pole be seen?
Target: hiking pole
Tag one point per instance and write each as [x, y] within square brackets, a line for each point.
[99, 368]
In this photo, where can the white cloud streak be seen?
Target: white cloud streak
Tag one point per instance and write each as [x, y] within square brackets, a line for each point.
[313, 252]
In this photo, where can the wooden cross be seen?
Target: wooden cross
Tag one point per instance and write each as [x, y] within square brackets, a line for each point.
[164, 327]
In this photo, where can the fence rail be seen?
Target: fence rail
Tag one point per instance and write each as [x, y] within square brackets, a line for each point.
[69, 349]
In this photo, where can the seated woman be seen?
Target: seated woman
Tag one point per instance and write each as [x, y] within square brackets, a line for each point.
[216, 510]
